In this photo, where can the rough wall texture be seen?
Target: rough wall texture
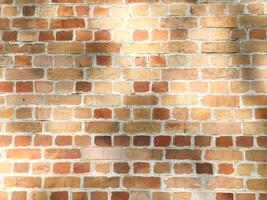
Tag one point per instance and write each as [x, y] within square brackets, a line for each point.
[137, 99]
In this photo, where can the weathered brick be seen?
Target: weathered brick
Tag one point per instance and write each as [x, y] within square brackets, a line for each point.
[138, 182]
[184, 74]
[24, 23]
[24, 74]
[166, 94]
[62, 153]
[183, 154]
[255, 46]
[23, 154]
[178, 22]
[218, 22]
[222, 182]
[251, 100]
[20, 181]
[183, 182]
[144, 127]
[102, 127]
[228, 155]
[256, 184]
[61, 47]
[101, 182]
[143, 154]
[256, 155]
[178, 100]
[23, 127]
[61, 182]
[102, 47]
[181, 127]
[220, 47]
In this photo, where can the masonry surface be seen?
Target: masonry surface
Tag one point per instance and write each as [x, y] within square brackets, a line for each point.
[133, 100]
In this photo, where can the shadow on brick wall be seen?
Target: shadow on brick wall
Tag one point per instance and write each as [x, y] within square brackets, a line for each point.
[136, 101]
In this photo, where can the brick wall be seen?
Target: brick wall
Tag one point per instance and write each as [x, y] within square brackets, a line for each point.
[133, 100]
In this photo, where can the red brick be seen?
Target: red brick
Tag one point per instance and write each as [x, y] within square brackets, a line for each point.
[63, 140]
[104, 60]
[141, 141]
[102, 35]
[121, 140]
[24, 87]
[204, 168]
[161, 113]
[202, 141]
[65, 11]
[67, 23]
[82, 10]
[224, 196]
[46, 36]
[245, 196]
[83, 86]
[262, 141]
[59, 196]
[102, 113]
[28, 10]
[224, 141]
[10, 36]
[64, 35]
[182, 141]
[225, 168]
[102, 140]
[81, 167]
[141, 86]
[23, 140]
[120, 196]
[161, 141]
[61, 168]
[6, 86]
[84, 35]
[160, 87]
[244, 141]
[122, 167]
